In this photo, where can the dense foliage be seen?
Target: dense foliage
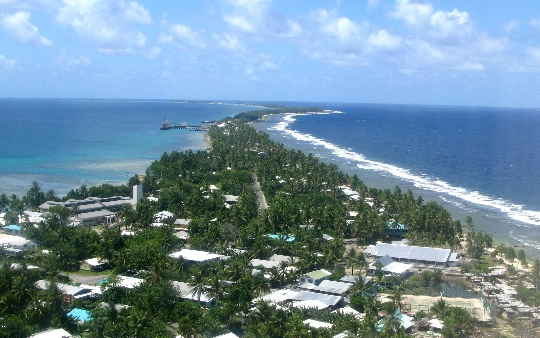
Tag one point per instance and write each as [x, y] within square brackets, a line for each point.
[304, 200]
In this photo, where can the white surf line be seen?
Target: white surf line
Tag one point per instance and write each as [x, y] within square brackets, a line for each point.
[513, 211]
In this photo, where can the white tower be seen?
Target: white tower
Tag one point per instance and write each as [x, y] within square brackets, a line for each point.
[137, 193]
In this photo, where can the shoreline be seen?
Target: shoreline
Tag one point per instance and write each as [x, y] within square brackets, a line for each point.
[488, 221]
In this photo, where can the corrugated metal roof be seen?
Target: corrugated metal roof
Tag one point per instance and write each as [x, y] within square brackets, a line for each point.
[410, 252]
[328, 286]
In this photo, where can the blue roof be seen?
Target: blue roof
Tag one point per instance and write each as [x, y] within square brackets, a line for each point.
[13, 227]
[406, 321]
[400, 226]
[283, 237]
[80, 315]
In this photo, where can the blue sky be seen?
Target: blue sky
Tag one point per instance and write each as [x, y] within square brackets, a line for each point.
[377, 51]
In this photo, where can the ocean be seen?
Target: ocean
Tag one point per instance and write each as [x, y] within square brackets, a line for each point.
[65, 143]
[475, 161]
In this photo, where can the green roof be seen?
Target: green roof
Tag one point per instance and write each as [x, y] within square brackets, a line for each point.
[318, 274]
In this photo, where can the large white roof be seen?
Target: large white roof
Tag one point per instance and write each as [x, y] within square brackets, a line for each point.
[417, 253]
[196, 255]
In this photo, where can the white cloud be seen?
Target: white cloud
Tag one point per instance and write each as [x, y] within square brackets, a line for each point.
[67, 63]
[240, 22]
[229, 42]
[534, 23]
[414, 14]
[511, 25]
[108, 24]
[257, 17]
[471, 66]
[7, 64]
[18, 26]
[181, 35]
[534, 55]
[383, 40]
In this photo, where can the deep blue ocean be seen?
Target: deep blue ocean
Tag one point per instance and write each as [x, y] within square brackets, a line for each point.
[64, 144]
[482, 162]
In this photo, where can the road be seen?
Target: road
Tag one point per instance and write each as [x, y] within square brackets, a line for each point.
[258, 191]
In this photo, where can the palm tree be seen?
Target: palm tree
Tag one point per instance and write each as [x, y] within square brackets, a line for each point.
[440, 308]
[6, 278]
[23, 289]
[396, 297]
[215, 288]
[197, 281]
[261, 285]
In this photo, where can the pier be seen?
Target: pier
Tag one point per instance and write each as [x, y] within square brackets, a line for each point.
[166, 125]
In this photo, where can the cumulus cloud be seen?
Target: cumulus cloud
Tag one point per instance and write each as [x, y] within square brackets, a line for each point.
[19, 27]
[181, 36]
[67, 63]
[257, 17]
[534, 23]
[109, 25]
[344, 42]
[414, 14]
[229, 42]
[7, 64]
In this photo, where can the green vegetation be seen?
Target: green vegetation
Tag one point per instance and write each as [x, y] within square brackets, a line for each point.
[304, 200]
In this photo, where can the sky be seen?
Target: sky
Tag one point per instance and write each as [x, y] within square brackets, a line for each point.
[451, 52]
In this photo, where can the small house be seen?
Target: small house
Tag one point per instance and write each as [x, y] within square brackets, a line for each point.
[315, 277]
[94, 264]
[13, 230]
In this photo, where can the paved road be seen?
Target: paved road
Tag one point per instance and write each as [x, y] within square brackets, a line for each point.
[260, 195]
[82, 279]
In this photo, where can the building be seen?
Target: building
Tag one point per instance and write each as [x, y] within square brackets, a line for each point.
[196, 256]
[94, 264]
[15, 246]
[187, 291]
[95, 210]
[412, 254]
[13, 230]
[315, 277]
[70, 292]
[389, 267]
[54, 333]
[182, 224]
[327, 287]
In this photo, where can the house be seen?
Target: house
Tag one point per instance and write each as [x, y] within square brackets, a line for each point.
[94, 264]
[15, 246]
[308, 299]
[196, 256]
[54, 333]
[327, 287]
[406, 321]
[389, 267]
[128, 282]
[70, 292]
[315, 324]
[227, 335]
[412, 254]
[264, 263]
[187, 291]
[96, 217]
[231, 200]
[315, 277]
[13, 229]
[182, 224]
